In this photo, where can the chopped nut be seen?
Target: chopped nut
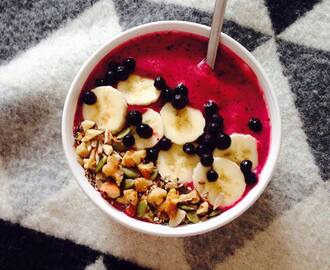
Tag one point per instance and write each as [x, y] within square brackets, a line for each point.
[192, 196]
[90, 163]
[79, 136]
[118, 177]
[203, 208]
[100, 176]
[99, 149]
[133, 158]
[110, 189]
[80, 160]
[82, 150]
[156, 196]
[111, 167]
[91, 134]
[130, 196]
[171, 184]
[107, 149]
[107, 136]
[177, 218]
[170, 204]
[146, 169]
[97, 158]
[142, 184]
[87, 125]
[94, 143]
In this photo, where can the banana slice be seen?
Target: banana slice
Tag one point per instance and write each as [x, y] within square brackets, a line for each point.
[182, 126]
[229, 187]
[176, 164]
[138, 90]
[154, 120]
[109, 111]
[242, 147]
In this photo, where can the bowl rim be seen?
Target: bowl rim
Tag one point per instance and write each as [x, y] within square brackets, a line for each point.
[156, 229]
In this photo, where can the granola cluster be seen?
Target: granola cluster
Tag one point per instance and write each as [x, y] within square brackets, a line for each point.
[131, 183]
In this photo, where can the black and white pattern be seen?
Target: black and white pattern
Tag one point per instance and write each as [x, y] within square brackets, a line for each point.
[46, 222]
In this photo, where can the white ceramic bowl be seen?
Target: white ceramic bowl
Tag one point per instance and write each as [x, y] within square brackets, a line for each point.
[154, 229]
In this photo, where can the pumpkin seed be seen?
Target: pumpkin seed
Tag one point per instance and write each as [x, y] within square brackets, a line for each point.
[142, 208]
[192, 217]
[123, 133]
[188, 207]
[101, 164]
[130, 173]
[154, 175]
[128, 183]
[214, 213]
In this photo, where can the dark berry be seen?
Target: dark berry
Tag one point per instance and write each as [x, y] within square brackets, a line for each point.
[111, 77]
[144, 131]
[213, 128]
[160, 83]
[255, 124]
[122, 73]
[128, 140]
[134, 118]
[189, 148]
[250, 178]
[152, 154]
[179, 101]
[210, 107]
[209, 140]
[129, 64]
[166, 94]
[223, 141]
[202, 149]
[112, 66]
[100, 82]
[246, 166]
[207, 159]
[181, 89]
[215, 118]
[212, 175]
[89, 98]
[164, 144]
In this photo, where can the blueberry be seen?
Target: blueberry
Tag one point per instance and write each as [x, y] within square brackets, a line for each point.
[207, 159]
[210, 107]
[128, 140]
[255, 124]
[246, 166]
[164, 144]
[213, 128]
[208, 140]
[89, 98]
[122, 73]
[212, 175]
[223, 141]
[134, 118]
[160, 83]
[111, 77]
[112, 65]
[250, 178]
[181, 89]
[202, 149]
[100, 82]
[152, 154]
[166, 94]
[189, 148]
[144, 131]
[129, 64]
[179, 101]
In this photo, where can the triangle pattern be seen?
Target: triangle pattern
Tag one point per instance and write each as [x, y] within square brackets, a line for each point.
[283, 12]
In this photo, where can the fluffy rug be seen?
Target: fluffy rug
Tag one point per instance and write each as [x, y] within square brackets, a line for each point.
[46, 222]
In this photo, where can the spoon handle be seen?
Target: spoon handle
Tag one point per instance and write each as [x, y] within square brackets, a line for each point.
[217, 22]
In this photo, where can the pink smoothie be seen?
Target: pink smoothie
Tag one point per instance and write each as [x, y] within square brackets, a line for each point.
[177, 57]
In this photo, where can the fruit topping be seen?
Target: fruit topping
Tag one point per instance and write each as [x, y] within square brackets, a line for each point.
[250, 178]
[189, 148]
[181, 89]
[100, 82]
[179, 101]
[255, 124]
[89, 98]
[160, 83]
[213, 128]
[144, 131]
[129, 63]
[134, 118]
[246, 166]
[111, 77]
[211, 107]
[164, 144]
[212, 175]
[128, 140]
[122, 73]
[152, 154]
[166, 95]
[207, 159]
[113, 66]
[223, 141]
[202, 149]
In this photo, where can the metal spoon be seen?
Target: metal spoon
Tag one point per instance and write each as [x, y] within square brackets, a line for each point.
[217, 22]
